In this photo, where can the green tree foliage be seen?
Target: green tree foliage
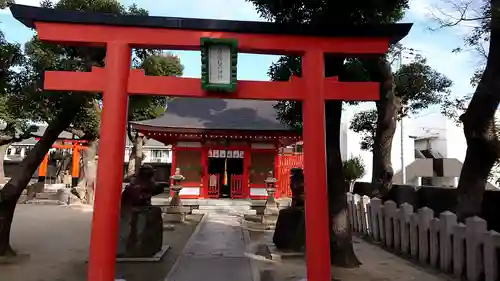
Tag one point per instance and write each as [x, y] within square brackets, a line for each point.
[5, 3]
[354, 168]
[143, 107]
[16, 120]
[365, 123]
[17, 126]
[417, 85]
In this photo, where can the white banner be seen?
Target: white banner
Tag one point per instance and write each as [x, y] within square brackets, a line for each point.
[221, 153]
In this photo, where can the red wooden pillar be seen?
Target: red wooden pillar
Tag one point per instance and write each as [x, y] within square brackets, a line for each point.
[204, 171]
[172, 166]
[246, 171]
[111, 151]
[277, 194]
[75, 164]
[42, 169]
[316, 212]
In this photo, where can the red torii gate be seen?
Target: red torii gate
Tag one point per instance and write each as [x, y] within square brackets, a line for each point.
[118, 34]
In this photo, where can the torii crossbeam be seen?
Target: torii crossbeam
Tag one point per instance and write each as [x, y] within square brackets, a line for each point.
[118, 34]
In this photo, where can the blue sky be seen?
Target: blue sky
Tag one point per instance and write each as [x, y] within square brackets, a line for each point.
[435, 45]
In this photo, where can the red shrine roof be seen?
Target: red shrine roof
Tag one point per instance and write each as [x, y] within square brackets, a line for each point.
[202, 115]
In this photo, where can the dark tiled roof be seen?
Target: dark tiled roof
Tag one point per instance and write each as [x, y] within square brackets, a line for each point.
[42, 128]
[68, 135]
[28, 15]
[218, 114]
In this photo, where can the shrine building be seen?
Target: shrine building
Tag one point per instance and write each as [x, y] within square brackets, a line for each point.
[224, 147]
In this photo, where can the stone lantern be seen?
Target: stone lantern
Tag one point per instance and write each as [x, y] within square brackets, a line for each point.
[176, 188]
[271, 207]
[175, 212]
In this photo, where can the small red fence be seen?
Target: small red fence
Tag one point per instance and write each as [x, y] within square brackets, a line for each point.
[213, 185]
[286, 162]
[237, 186]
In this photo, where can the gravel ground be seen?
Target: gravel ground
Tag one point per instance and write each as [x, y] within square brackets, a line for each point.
[57, 238]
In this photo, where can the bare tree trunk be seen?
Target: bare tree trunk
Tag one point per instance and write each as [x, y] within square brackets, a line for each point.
[479, 129]
[131, 162]
[11, 192]
[62, 165]
[140, 140]
[341, 249]
[3, 151]
[136, 153]
[87, 183]
[387, 111]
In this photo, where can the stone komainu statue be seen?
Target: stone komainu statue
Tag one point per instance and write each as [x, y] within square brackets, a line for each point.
[141, 189]
[297, 187]
[141, 224]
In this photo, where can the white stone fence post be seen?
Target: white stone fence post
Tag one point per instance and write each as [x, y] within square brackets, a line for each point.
[465, 251]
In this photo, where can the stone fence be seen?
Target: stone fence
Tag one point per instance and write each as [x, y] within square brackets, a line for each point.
[466, 251]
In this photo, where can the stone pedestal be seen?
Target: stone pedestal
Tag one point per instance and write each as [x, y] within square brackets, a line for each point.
[140, 232]
[176, 214]
[176, 199]
[33, 189]
[64, 195]
[289, 233]
[271, 207]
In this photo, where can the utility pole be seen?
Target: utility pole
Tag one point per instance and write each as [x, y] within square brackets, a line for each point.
[403, 167]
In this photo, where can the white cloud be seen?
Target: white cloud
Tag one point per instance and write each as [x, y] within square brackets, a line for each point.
[215, 9]
[420, 8]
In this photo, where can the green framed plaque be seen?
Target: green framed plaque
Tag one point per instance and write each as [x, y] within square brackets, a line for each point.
[219, 59]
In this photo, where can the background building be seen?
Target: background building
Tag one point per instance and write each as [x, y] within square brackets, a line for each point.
[156, 154]
[433, 151]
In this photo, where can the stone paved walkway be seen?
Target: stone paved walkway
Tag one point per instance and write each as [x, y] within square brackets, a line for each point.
[216, 252]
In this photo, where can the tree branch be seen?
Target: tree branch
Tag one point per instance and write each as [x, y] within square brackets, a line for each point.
[129, 132]
[462, 9]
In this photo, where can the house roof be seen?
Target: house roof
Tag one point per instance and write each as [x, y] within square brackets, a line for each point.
[67, 135]
[216, 114]
[62, 135]
[28, 15]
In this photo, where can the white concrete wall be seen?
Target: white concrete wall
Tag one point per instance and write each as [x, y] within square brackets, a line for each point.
[449, 142]
[448, 139]
[151, 157]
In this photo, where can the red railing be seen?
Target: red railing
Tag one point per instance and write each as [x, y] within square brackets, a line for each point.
[237, 186]
[287, 161]
[213, 185]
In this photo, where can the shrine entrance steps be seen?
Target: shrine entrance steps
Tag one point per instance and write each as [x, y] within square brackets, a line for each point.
[232, 206]
[216, 251]
[229, 206]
